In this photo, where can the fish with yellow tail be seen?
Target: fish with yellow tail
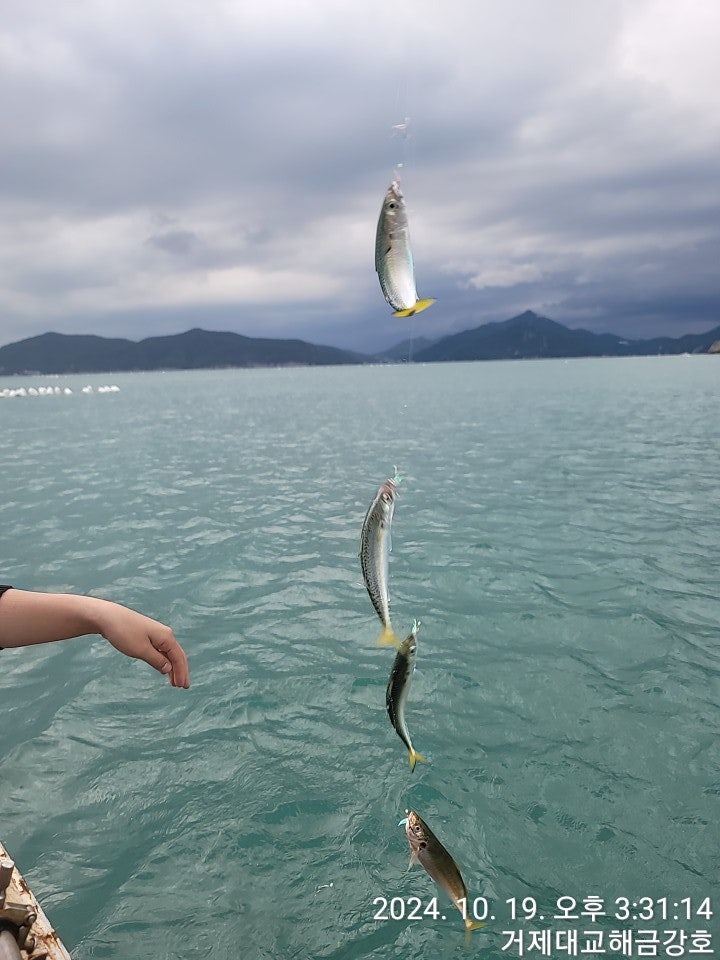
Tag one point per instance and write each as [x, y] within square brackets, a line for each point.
[426, 849]
[398, 688]
[393, 256]
[375, 545]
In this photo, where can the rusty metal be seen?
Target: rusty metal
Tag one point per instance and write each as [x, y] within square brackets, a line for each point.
[18, 915]
[6, 871]
[25, 931]
[23, 934]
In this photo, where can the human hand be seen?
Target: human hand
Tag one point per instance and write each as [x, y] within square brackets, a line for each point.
[28, 617]
[139, 636]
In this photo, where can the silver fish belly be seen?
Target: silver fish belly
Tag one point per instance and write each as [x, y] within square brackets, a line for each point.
[426, 849]
[374, 551]
[397, 691]
[393, 255]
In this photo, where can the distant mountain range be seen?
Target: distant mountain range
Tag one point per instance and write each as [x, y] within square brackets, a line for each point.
[527, 336]
[192, 350]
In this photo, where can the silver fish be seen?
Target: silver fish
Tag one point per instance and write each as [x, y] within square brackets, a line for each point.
[426, 849]
[374, 550]
[397, 691]
[393, 256]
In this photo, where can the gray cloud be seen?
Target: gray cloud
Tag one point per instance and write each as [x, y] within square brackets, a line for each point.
[166, 166]
[179, 243]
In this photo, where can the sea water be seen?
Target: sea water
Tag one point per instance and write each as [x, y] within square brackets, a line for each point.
[556, 533]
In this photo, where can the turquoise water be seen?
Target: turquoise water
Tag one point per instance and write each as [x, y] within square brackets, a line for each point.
[556, 533]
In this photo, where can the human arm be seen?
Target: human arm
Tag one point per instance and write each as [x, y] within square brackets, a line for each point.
[27, 617]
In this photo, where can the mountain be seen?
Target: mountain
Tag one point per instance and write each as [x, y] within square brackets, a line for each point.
[192, 350]
[532, 336]
[523, 337]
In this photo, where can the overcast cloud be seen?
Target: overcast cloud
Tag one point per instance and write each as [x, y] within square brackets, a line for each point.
[222, 164]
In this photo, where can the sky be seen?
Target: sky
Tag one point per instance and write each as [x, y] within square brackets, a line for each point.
[222, 164]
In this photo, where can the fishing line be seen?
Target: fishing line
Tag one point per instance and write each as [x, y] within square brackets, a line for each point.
[402, 120]
[393, 248]
[402, 130]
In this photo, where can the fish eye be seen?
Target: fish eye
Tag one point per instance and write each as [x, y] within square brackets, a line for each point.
[386, 497]
[392, 205]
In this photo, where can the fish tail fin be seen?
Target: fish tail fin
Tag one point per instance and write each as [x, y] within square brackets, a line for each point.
[471, 925]
[388, 638]
[415, 757]
[415, 308]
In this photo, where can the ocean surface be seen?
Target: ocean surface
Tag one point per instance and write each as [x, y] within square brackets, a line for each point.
[557, 534]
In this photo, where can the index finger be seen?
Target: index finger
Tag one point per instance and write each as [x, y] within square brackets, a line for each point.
[180, 675]
[167, 645]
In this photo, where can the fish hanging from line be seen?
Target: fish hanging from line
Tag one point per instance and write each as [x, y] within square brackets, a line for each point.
[393, 256]
[375, 547]
[426, 849]
[398, 688]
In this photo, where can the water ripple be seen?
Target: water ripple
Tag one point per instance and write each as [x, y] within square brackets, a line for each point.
[553, 534]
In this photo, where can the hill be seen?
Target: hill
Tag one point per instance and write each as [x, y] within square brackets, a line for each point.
[527, 336]
[193, 350]
[530, 336]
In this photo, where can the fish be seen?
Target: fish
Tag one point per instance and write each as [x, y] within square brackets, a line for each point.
[393, 256]
[426, 849]
[374, 551]
[398, 688]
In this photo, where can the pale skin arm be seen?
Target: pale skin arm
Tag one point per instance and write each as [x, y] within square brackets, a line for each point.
[27, 618]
